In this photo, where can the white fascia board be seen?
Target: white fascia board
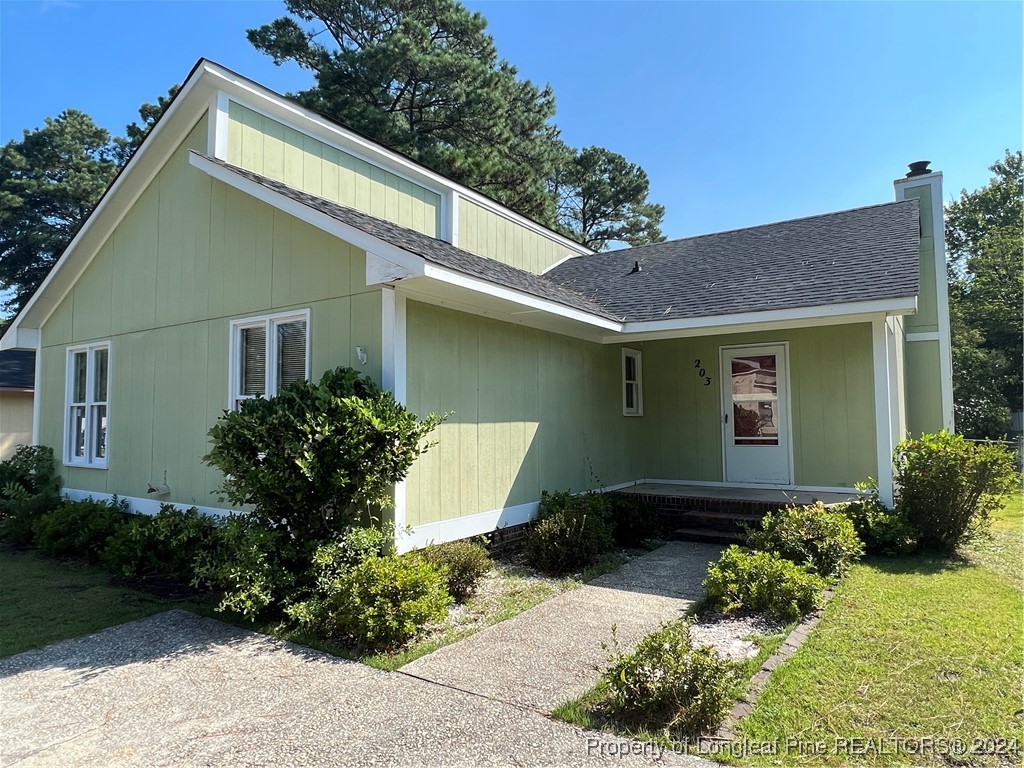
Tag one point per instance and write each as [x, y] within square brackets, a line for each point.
[800, 316]
[259, 99]
[20, 338]
[192, 100]
[411, 263]
[517, 297]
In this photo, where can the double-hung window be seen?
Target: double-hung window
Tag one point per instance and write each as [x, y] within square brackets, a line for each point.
[632, 383]
[88, 405]
[268, 353]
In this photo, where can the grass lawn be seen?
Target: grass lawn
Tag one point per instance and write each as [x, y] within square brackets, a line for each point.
[909, 648]
[43, 601]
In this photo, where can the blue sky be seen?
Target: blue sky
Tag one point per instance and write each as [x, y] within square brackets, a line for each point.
[740, 113]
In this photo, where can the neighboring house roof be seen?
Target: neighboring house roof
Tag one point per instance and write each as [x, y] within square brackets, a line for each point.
[863, 254]
[436, 251]
[17, 370]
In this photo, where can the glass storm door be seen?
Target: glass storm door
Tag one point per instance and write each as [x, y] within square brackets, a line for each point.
[755, 419]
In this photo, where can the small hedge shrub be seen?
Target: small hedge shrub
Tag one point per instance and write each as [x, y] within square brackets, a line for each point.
[666, 682]
[29, 487]
[463, 564]
[571, 532]
[948, 487]
[249, 565]
[81, 529]
[762, 582]
[634, 521]
[163, 546]
[308, 457]
[379, 604]
[883, 531]
[813, 535]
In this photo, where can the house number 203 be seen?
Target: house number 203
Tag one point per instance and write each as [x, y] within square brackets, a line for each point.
[702, 373]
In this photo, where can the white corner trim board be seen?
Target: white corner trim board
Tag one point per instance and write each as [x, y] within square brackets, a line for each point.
[142, 505]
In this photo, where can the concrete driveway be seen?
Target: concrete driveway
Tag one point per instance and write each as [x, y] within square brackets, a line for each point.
[177, 689]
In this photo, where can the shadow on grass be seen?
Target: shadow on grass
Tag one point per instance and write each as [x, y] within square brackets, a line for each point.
[925, 564]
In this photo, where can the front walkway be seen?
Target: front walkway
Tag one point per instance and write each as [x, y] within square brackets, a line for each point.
[552, 652]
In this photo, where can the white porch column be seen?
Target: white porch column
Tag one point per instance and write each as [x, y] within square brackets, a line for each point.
[883, 411]
[392, 375]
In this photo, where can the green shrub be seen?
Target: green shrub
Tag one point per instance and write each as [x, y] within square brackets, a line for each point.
[166, 545]
[81, 529]
[884, 531]
[948, 487]
[379, 604]
[762, 582]
[668, 683]
[29, 487]
[304, 458]
[250, 566]
[571, 532]
[813, 535]
[463, 564]
[634, 521]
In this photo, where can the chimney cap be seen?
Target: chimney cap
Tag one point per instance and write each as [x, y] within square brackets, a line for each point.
[918, 168]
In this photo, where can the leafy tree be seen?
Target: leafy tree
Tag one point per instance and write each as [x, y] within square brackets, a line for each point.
[49, 183]
[424, 78]
[602, 198]
[985, 239]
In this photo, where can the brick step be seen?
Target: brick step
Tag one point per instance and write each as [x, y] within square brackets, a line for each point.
[706, 535]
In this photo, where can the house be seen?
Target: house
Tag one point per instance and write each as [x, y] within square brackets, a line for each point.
[17, 379]
[251, 242]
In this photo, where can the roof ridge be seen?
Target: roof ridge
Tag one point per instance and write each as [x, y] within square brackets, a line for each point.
[913, 201]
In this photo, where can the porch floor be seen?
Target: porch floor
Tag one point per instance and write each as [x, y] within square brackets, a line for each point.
[781, 496]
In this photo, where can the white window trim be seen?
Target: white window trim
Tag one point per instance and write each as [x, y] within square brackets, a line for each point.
[269, 322]
[89, 461]
[637, 356]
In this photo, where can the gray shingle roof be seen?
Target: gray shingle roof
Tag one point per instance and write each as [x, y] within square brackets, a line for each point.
[858, 255]
[17, 369]
[862, 254]
[436, 251]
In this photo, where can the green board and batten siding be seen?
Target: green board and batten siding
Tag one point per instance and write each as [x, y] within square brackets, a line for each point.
[263, 145]
[531, 411]
[535, 411]
[165, 303]
[486, 233]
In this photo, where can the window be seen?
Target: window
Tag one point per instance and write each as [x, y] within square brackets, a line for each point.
[88, 405]
[268, 353]
[632, 383]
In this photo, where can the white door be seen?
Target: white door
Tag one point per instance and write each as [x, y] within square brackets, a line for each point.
[755, 419]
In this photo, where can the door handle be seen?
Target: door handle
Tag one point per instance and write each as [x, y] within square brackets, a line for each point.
[727, 418]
